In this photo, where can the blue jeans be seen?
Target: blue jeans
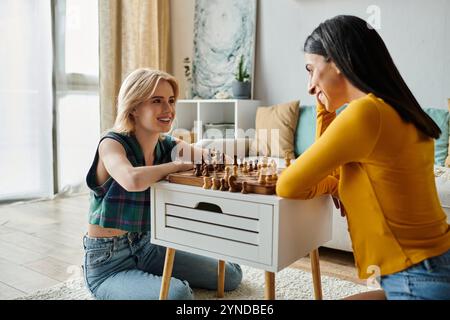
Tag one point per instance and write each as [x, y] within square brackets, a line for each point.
[427, 280]
[129, 267]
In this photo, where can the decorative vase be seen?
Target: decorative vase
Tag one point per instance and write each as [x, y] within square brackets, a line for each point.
[241, 90]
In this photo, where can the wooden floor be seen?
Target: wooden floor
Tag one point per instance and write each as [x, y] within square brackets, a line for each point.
[41, 246]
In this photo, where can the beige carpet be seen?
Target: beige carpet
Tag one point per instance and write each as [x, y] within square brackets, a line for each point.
[290, 284]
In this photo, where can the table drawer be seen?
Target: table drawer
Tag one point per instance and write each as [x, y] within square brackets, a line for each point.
[228, 227]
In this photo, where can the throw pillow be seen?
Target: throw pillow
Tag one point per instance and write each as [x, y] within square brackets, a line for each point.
[306, 128]
[441, 117]
[275, 128]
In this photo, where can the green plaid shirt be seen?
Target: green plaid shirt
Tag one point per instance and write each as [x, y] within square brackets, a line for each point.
[111, 206]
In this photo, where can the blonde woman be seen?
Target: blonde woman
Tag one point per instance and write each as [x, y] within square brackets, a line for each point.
[120, 262]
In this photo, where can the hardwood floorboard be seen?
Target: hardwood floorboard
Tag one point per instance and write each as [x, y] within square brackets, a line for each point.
[42, 246]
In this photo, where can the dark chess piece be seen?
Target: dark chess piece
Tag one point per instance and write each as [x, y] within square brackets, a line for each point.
[203, 160]
[198, 169]
[223, 185]
[215, 183]
[235, 162]
[233, 186]
[244, 187]
[205, 172]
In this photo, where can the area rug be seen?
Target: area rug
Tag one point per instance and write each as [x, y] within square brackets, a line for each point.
[290, 284]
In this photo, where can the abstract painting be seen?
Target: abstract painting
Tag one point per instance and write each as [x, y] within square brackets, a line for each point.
[223, 32]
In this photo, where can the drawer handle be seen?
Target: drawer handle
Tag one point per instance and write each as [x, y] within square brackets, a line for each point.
[205, 206]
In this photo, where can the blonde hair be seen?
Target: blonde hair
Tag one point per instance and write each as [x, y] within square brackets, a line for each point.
[137, 88]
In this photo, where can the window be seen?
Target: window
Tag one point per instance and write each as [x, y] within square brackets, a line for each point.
[48, 134]
[25, 99]
[77, 107]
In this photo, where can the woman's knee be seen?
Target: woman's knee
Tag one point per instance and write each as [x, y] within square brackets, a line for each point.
[180, 290]
[233, 276]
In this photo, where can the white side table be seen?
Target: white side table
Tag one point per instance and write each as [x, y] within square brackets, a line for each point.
[264, 232]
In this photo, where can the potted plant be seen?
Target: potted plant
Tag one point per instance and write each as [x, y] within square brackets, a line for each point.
[242, 85]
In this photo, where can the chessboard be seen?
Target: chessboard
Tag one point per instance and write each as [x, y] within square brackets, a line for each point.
[259, 178]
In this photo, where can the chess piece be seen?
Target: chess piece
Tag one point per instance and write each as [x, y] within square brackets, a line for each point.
[287, 158]
[205, 172]
[209, 156]
[207, 183]
[250, 166]
[227, 173]
[223, 184]
[215, 183]
[235, 163]
[261, 179]
[245, 169]
[198, 169]
[264, 161]
[244, 188]
[217, 156]
[235, 171]
[262, 176]
[233, 186]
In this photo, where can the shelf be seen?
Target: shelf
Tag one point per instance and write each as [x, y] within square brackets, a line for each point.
[192, 115]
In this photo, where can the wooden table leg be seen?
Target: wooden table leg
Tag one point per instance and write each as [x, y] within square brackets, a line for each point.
[167, 274]
[315, 266]
[269, 291]
[221, 279]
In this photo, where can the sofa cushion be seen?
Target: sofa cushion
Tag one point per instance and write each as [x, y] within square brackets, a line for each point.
[306, 129]
[281, 117]
[305, 132]
[441, 117]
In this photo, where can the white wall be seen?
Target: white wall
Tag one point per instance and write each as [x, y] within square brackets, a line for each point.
[417, 33]
[182, 34]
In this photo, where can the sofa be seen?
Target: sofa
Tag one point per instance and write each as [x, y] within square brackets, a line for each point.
[304, 136]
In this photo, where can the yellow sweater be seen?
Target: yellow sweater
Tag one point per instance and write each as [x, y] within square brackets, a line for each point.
[386, 184]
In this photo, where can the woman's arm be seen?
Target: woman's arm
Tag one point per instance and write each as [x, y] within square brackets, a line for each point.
[323, 120]
[190, 151]
[134, 179]
[196, 152]
[349, 138]
[330, 184]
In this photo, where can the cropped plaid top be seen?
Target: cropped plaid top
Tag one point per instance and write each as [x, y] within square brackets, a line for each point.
[111, 206]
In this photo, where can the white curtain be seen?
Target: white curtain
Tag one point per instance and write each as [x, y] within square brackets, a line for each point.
[25, 99]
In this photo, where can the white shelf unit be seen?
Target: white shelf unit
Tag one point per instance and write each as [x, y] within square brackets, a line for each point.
[193, 114]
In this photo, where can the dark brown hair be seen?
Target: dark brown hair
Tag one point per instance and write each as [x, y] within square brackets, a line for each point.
[361, 55]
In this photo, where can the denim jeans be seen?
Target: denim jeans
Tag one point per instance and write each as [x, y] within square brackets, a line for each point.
[129, 267]
[427, 280]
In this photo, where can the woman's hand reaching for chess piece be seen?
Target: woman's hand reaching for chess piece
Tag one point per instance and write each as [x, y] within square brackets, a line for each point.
[182, 165]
